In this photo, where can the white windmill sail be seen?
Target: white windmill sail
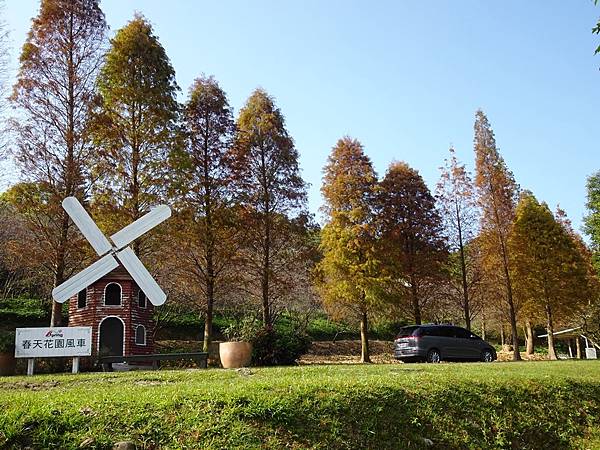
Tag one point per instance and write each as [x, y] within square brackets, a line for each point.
[84, 278]
[86, 225]
[135, 229]
[141, 276]
[108, 263]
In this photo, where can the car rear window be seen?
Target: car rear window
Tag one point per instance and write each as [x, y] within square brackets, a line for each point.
[462, 333]
[407, 332]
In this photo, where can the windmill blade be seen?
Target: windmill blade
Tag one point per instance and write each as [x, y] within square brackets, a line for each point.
[141, 276]
[86, 225]
[84, 278]
[140, 226]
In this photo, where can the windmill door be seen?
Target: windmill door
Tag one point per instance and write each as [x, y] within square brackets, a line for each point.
[111, 337]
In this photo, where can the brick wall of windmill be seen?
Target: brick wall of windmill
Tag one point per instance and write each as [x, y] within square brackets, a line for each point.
[129, 312]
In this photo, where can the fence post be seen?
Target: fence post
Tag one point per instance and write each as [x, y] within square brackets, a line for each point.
[75, 364]
[30, 364]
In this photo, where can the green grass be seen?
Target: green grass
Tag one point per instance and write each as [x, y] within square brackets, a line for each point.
[501, 405]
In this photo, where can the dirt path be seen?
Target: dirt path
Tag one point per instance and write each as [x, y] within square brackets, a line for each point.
[347, 352]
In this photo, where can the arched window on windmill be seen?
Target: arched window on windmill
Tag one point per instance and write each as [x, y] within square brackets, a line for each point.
[140, 335]
[141, 299]
[82, 298]
[112, 294]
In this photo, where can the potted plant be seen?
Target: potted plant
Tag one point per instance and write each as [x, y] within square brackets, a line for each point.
[237, 352]
[7, 353]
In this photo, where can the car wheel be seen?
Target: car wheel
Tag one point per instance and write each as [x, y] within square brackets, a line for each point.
[433, 356]
[487, 356]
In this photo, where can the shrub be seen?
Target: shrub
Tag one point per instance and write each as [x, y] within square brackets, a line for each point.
[279, 346]
[322, 328]
[23, 310]
[7, 341]
[384, 330]
[244, 329]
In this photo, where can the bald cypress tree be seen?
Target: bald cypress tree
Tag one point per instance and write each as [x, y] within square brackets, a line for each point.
[412, 244]
[134, 126]
[457, 203]
[206, 238]
[349, 271]
[548, 269]
[53, 93]
[270, 189]
[497, 195]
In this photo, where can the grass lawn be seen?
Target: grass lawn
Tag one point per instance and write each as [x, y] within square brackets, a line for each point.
[500, 405]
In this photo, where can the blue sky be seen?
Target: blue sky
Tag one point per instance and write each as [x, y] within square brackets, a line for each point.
[405, 78]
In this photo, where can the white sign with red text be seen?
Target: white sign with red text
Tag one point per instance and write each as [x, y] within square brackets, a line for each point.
[52, 342]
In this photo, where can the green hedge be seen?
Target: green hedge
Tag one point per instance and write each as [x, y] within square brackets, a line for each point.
[24, 310]
[548, 405]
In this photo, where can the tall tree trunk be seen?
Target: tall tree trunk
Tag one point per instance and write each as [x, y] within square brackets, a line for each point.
[463, 270]
[70, 176]
[59, 275]
[364, 339]
[502, 340]
[56, 314]
[210, 299]
[578, 346]
[483, 330]
[529, 338]
[208, 320]
[512, 314]
[266, 313]
[209, 251]
[415, 302]
[550, 330]
[513, 324]
[135, 194]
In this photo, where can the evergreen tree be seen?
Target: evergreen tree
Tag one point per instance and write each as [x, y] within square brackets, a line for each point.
[134, 126]
[349, 268]
[54, 89]
[497, 193]
[412, 246]
[548, 269]
[270, 188]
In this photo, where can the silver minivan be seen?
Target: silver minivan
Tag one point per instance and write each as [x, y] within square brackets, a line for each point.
[435, 343]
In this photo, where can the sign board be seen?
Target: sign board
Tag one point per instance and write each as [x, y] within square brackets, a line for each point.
[590, 353]
[52, 342]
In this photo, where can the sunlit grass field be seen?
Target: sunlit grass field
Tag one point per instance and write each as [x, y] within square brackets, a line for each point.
[477, 405]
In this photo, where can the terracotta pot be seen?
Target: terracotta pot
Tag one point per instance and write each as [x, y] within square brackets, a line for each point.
[8, 363]
[235, 354]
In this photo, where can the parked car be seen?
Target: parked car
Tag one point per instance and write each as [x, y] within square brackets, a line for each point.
[435, 343]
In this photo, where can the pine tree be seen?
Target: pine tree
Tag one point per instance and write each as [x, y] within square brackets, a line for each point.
[270, 189]
[206, 243]
[134, 126]
[412, 246]
[54, 89]
[548, 269]
[349, 269]
[456, 195]
[497, 193]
